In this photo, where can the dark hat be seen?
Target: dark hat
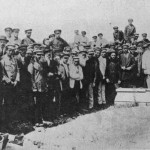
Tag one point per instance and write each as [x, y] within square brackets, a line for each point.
[76, 59]
[23, 47]
[57, 30]
[28, 30]
[67, 48]
[133, 48]
[83, 32]
[97, 49]
[38, 51]
[104, 50]
[112, 51]
[130, 19]
[2, 37]
[94, 37]
[51, 35]
[146, 45]
[100, 34]
[8, 28]
[115, 27]
[90, 51]
[10, 46]
[144, 34]
[125, 45]
[65, 54]
[136, 34]
[16, 30]
[37, 45]
[139, 44]
[87, 46]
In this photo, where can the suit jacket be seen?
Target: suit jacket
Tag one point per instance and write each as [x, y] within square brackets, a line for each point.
[127, 62]
[76, 74]
[118, 36]
[27, 41]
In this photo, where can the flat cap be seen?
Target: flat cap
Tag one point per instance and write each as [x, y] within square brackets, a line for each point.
[29, 51]
[90, 51]
[76, 58]
[104, 50]
[136, 34]
[83, 32]
[57, 31]
[10, 46]
[100, 34]
[16, 30]
[130, 19]
[144, 34]
[38, 51]
[87, 46]
[133, 48]
[115, 27]
[125, 45]
[94, 37]
[2, 37]
[51, 35]
[146, 45]
[28, 30]
[23, 47]
[8, 29]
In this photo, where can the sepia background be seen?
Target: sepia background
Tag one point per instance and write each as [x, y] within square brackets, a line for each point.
[93, 16]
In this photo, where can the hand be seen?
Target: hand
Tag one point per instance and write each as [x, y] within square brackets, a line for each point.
[123, 68]
[50, 74]
[107, 80]
[15, 83]
[36, 66]
[103, 77]
[119, 82]
[138, 74]
[129, 68]
[93, 84]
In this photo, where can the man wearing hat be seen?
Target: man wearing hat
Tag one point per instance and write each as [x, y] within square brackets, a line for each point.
[127, 63]
[101, 42]
[3, 42]
[146, 64]
[90, 77]
[8, 32]
[118, 36]
[15, 39]
[94, 42]
[77, 38]
[28, 40]
[58, 43]
[38, 72]
[10, 78]
[145, 40]
[76, 75]
[130, 30]
[84, 39]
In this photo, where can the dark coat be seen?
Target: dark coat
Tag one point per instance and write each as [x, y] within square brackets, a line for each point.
[118, 36]
[113, 72]
[27, 41]
[129, 31]
[127, 62]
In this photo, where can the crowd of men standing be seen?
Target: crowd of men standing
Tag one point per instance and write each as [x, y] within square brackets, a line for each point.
[53, 73]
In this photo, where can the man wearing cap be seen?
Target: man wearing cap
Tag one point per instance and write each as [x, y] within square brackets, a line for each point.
[58, 43]
[10, 78]
[101, 42]
[3, 42]
[102, 67]
[77, 38]
[94, 42]
[84, 39]
[28, 40]
[90, 77]
[118, 36]
[129, 31]
[38, 72]
[8, 32]
[127, 63]
[145, 40]
[146, 64]
[76, 75]
[15, 39]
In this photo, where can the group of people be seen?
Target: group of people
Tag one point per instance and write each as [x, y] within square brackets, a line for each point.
[66, 76]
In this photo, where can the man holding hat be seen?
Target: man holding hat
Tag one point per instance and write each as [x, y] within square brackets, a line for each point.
[28, 40]
[130, 30]
[10, 78]
[118, 36]
[8, 32]
[3, 42]
[15, 39]
[127, 63]
[58, 43]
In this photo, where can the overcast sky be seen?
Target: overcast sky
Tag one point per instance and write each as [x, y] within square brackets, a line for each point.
[93, 16]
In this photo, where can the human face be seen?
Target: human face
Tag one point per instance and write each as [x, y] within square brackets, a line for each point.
[144, 37]
[9, 52]
[103, 54]
[28, 34]
[57, 59]
[116, 30]
[65, 60]
[39, 56]
[94, 39]
[48, 55]
[90, 56]
[76, 63]
[113, 55]
[23, 53]
[76, 32]
[16, 34]
[2, 43]
[130, 22]
[57, 34]
[100, 36]
[97, 53]
[125, 50]
[8, 33]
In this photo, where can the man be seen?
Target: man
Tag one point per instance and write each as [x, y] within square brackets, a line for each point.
[94, 42]
[90, 77]
[28, 40]
[130, 30]
[77, 38]
[145, 40]
[101, 42]
[37, 69]
[127, 64]
[3, 42]
[118, 36]
[76, 75]
[58, 43]
[8, 32]
[84, 39]
[15, 39]
[102, 66]
[146, 64]
[10, 79]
